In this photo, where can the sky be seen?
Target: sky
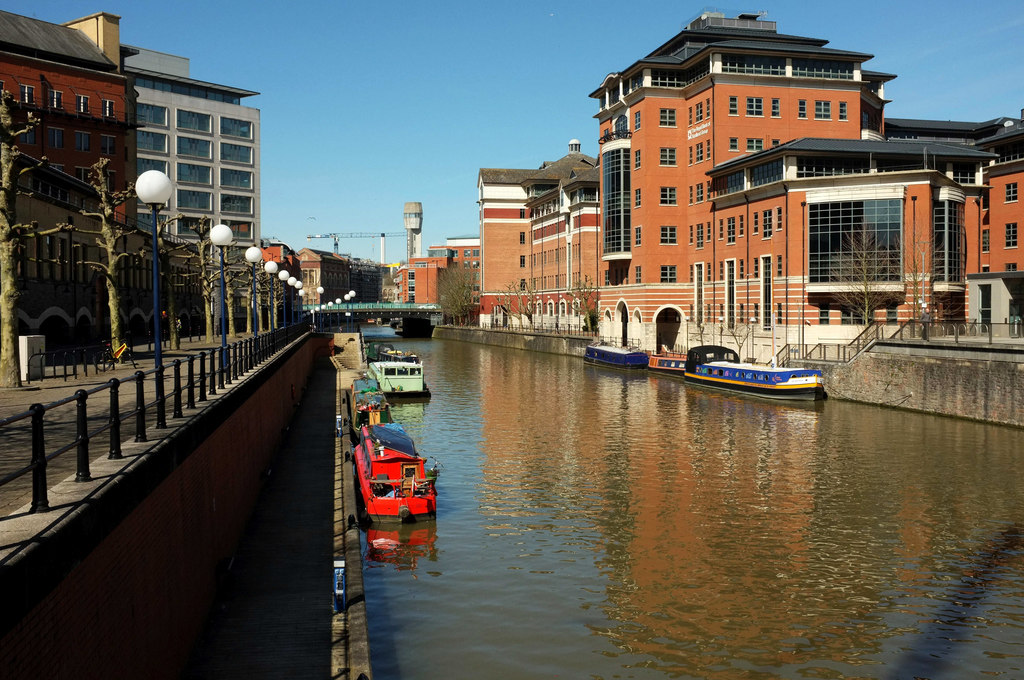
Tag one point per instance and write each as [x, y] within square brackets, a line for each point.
[365, 106]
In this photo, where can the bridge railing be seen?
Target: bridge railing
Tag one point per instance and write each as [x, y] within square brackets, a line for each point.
[103, 416]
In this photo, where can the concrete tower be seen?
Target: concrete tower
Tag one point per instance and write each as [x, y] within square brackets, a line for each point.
[414, 228]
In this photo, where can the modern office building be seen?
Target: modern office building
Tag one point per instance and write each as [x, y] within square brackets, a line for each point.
[203, 137]
[538, 240]
[747, 173]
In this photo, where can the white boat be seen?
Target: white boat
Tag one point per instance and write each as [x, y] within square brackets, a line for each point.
[399, 378]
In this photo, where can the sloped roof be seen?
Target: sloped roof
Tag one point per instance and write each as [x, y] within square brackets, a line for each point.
[549, 170]
[504, 175]
[43, 40]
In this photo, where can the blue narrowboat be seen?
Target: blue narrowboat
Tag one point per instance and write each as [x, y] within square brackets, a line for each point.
[615, 357]
[720, 368]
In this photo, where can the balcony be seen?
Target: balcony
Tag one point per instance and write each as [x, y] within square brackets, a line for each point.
[610, 135]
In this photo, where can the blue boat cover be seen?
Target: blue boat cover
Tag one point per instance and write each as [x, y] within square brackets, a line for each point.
[393, 436]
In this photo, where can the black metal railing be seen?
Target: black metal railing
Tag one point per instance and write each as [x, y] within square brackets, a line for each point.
[205, 373]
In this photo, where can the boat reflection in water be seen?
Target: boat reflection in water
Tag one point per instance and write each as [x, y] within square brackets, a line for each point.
[400, 545]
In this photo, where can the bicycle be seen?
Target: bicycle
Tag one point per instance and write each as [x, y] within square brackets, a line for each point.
[108, 361]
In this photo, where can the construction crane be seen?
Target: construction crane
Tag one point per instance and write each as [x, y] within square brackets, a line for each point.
[358, 234]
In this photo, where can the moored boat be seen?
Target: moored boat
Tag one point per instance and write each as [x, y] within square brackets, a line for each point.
[369, 405]
[720, 368]
[399, 378]
[393, 481]
[616, 357]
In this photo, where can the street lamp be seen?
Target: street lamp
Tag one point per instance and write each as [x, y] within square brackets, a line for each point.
[254, 254]
[222, 237]
[319, 299]
[270, 267]
[154, 188]
[291, 299]
[302, 298]
[284, 275]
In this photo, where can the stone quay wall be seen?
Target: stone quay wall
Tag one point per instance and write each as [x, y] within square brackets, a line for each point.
[551, 343]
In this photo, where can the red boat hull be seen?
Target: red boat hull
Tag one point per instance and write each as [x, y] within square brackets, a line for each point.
[392, 478]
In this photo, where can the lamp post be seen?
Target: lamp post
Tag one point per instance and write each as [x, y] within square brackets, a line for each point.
[319, 299]
[284, 276]
[222, 237]
[254, 254]
[302, 295]
[154, 188]
[270, 267]
[351, 304]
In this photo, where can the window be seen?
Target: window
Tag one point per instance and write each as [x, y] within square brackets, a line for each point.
[636, 197]
[193, 120]
[842, 111]
[197, 174]
[1011, 192]
[776, 108]
[55, 138]
[730, 231]
[984, 240]
[28, 94]
[636, 159]
[144, 164]
[700, 154]
[522, 213]
[668, 195]
[235, 128]
[668, 273]
[756, 224]
[235, 152]
[801, 108]
[1011, 266]
[829, 226]
[196, 200]
[108, 108]
[1011, 235]
[83, 141]
[108, 144]
[668, 156]
[700, 234]
[636, 120]
[82, 103]
[755, 106]
[236, 178]
[667, 118]
[734, 144]
[152, 115]
[636, 276]
[691, 155]
[636, 237]
[522, 237]
[190, 146]
[755, 144]
[734, 106]
[700, 193]
[822, 110]
[778, 267]
[700, 112]
[668, 236]
[56, 99]
[151, 141]
[238, 204]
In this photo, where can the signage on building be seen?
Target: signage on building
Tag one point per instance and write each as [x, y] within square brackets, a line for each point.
[698, 131]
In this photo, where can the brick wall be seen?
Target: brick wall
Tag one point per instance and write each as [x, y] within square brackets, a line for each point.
[123, 586]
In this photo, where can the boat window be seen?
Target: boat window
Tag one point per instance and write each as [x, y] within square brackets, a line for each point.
[389, 371]
[414, 371]
[403, 371]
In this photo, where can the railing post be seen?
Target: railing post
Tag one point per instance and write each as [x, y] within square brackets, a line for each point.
[220, 368]
[140, 406]
[161, 399]
[40, 502]
[176, 403]
[202, 376]
[191, 400]
[213, 371]
[82, 474]
[115, 419]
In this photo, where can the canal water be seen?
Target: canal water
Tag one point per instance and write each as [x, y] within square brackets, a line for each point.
[594, 524]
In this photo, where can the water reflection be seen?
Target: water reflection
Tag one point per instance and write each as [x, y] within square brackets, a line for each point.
[627, 526]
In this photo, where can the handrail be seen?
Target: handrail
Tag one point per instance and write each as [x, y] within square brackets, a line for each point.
[146, 411]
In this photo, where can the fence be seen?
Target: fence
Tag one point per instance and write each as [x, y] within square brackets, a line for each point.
[206, 373]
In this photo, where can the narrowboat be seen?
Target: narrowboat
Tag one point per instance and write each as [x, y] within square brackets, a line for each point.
[399, 378]
[369, 405]
[384, 351]
[393, 481]
[720, 368]
[615, 357]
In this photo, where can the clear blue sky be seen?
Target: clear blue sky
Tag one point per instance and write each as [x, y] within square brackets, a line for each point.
[368, 105]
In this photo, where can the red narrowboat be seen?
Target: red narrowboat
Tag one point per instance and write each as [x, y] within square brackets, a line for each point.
[392, 478]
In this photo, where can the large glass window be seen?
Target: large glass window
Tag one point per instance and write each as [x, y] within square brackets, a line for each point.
[151, 114]
[236, 178]
[144, 164]
[235, 152]
[668, 273]
[948, 239]
[616, 201]
[239, 204]
[755, 106]
[823, 68]
[193, 120]
[199, 174]
[190, 146]
[848, 240]
[668, 235]
[765, 173]
[667, 118]
[235, 127]
[196, 200]
[151, 141]
[751, 63]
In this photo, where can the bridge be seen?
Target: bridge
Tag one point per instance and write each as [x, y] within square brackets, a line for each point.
[416, 318]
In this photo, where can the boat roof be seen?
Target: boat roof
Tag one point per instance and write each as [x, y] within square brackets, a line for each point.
[704, 354]
[615, 348]
[393, 437]
[365, 385]
[394, 363]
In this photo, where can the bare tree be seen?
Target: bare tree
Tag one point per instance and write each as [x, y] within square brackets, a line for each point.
[517, 301]
[455, 292]
[584, 293]
[867, 272]
[11, 234]
[203, 262]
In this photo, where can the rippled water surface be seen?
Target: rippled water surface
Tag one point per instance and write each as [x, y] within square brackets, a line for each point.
[594, 524]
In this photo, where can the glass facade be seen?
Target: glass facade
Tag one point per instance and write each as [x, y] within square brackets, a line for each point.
[948, 241]
[150, 114]
[193, 120]
[197, 200]
[236, 178]
[197, 174]
[235, 152]
[615, 201]
[238, 204]
[235, 127]
[190, 146]
[851, 240]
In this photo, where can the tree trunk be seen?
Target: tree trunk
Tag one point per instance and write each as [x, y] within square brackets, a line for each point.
[114, 310]
[10, 369]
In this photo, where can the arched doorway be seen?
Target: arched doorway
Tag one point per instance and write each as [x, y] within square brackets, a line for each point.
[667, 323]
[623, 322]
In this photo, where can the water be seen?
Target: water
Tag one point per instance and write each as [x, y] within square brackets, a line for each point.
[593, 524]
